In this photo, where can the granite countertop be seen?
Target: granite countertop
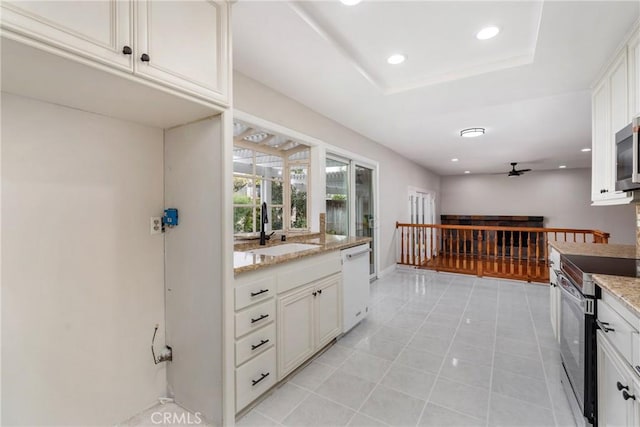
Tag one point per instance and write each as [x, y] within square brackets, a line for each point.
[595, 249]
[625, 289]
[244, 261]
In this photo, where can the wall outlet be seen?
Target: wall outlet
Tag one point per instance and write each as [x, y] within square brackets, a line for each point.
[155, 225]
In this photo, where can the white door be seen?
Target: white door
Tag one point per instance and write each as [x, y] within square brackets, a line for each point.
[184, 43]
[295, 340]
[422, 211]
[98, 30]
[327, 310]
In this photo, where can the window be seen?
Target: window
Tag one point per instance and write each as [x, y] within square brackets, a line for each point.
[269, 169]
[337, 196]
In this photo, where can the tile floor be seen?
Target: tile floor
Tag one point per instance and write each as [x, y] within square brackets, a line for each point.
[436, 350]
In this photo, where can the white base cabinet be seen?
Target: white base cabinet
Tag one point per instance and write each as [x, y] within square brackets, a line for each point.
[308, 319]
[618, 387]
[284, 314]
[554, 293]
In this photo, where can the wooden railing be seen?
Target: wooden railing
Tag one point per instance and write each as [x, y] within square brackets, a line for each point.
[508, 252]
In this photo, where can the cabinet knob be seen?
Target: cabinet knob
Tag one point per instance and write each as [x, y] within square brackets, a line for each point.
[314, 293]
[621, 387]
[627, 396]
[319, 291]
[127, 50]
[144, 57]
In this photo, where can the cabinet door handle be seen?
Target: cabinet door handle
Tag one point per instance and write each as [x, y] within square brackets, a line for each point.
[263, 376]
[127, 50]
[603, 326]
[621, 387]
[314, 293]
[262, 342]
[264, 316]
[262, 291]
[144, 57]
[627, 396]
[319, 291]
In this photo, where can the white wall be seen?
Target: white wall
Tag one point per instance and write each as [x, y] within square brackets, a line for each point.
[82, 278]
[396, 172]
[562, 197]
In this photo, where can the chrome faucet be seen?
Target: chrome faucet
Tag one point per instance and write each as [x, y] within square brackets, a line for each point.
[264, 219]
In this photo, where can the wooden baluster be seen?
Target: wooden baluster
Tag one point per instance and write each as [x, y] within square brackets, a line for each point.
[479, 266]
[511, 256]
[402, 245]
[584, 237]
[574, 237]
[538, 255]
[495, 251]
[565, 236]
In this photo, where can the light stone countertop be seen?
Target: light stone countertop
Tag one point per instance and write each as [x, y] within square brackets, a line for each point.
[244, 261]
[625, 289]
[595, 249]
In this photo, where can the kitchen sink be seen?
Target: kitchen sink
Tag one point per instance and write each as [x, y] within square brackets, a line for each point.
[287, 248]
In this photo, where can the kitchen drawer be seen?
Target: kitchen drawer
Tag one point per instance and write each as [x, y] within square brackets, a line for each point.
[255, 377]
[251, 293]
[308, 270]
[255, 343]
[255, 317]
[618, 331]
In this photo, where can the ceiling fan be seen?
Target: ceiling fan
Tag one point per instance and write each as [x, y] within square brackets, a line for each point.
[516, 172]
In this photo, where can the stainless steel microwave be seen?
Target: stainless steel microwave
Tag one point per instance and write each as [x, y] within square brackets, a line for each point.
[627, 157]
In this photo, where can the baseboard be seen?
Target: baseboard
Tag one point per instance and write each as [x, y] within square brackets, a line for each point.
[387, 271]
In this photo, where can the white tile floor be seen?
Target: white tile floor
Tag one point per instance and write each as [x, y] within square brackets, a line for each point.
[436, 350]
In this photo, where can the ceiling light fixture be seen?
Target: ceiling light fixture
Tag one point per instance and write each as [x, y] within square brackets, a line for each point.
[487, 33]
[350, 2]
[586, 150]
[471, 132]
[454, 160]
[467, 171]
[562, 166]
[396, 58]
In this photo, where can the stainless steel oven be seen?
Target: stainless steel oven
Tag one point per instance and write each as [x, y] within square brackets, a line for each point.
[577, 345]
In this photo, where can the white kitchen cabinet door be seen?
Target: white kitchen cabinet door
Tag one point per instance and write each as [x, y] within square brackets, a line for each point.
[613, 374]
[601, 151]
[327, 311]
[184, 44]
[633, 50]
[98, 30]
[619, 95]
[295, 330]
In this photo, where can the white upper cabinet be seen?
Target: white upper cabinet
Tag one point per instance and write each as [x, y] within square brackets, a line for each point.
[634, 75]
[170, 47]
[98, 30]
[610, 112]
[182, 43]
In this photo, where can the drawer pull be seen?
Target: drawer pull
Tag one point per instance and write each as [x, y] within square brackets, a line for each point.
[262, 342]
[627, 396]
[264, 316]
[604, 326]
[621, 387]
[263, 376]
[262, 291]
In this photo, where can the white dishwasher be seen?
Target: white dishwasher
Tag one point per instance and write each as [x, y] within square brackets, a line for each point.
[355, 285]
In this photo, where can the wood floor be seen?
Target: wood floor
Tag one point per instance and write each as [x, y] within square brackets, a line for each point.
[527, 270]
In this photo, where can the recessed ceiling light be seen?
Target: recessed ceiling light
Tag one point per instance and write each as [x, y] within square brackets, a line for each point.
[467, 171]
[586, 150]
[562, 166]
[454, 160]
[350, 2]
[471, 132]
[396, 58]
[487, 33]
